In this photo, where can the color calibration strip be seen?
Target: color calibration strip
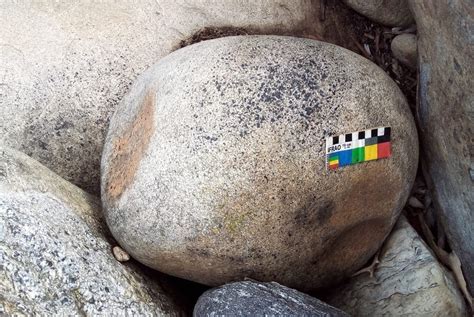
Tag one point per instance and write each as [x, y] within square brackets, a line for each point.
[357, 147]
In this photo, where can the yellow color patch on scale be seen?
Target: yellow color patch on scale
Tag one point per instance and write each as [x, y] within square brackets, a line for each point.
[370, 152]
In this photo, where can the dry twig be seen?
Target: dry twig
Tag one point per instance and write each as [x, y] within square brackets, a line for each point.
[371, 268]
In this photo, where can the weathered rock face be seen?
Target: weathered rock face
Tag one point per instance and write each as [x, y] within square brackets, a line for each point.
[55, 254]
[250, 298]
[445, 112]
[214, 164]
[409, 281]
[387, 12]
[64, 66]
[404, 49]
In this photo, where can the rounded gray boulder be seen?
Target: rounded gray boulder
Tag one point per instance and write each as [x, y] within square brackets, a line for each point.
[214, 166]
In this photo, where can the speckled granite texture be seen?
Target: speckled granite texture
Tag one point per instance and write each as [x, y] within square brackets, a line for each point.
[55, 254]
[214, 164]
[252, 298]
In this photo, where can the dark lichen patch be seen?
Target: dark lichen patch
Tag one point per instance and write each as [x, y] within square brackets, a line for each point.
[303, 215]
[325, 212]
[314, 213]
[128, 149]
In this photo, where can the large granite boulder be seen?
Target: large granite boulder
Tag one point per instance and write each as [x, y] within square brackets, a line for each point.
[387, 12]
[55, 252]
[409, 281]
[251, 298]
[65, 65]
[214, 166]
[445, 112]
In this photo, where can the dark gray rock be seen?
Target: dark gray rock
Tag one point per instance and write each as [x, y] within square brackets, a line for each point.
[445, 115]
[251, 298]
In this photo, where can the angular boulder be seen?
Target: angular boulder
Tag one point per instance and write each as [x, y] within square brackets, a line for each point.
[64, 66]
[214, 166]
[409, 281]
[56, 254]
[251, 298]
[445, 110]
[387, 12]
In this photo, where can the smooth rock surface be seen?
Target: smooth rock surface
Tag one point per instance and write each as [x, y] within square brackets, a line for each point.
[56, 258]
[252, 298]
[214, 164]
[404, 49]
[387, 12]
[445, 117]
[65, 65]
[409, 281]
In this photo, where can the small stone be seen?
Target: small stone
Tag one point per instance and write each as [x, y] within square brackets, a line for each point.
[251, 298]
[120, 254]
[415, 203]
[387, 12]
[55, 255]
[214, 165]
[404, 49]
[409, 281]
